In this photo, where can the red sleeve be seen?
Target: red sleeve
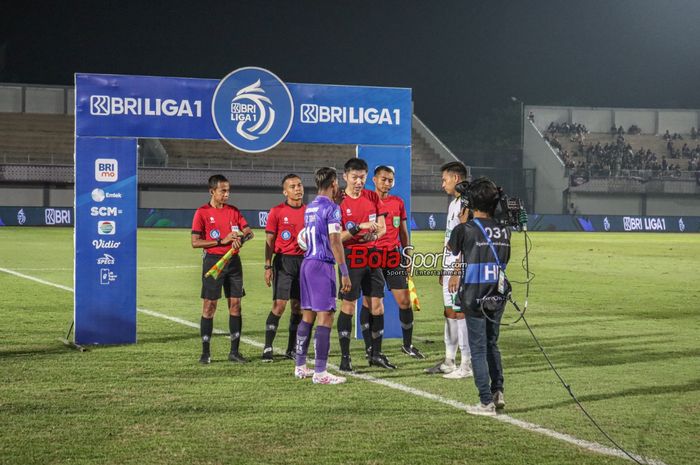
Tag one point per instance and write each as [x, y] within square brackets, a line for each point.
[198, 224]
[402, 210]
[271, 225]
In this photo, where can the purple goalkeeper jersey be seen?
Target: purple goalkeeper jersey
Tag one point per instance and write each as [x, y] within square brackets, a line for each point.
[322, 217]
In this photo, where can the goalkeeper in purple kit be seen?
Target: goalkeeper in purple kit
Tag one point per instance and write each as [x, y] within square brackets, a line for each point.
[322, 230]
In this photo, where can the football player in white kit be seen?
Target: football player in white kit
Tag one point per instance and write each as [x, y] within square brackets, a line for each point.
[455, 324]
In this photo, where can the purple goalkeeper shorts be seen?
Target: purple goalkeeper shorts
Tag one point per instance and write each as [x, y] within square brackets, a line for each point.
[317, 282]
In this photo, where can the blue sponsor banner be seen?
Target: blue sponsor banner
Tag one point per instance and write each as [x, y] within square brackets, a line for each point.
[105, 241]
[181, 108]
[36, 216]
[110, 105]
[182, 218]
[351, 115]
[429, 221]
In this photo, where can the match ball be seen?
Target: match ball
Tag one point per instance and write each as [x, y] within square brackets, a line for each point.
[301, 239]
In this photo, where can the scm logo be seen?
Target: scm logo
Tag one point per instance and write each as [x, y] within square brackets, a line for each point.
[105, 211]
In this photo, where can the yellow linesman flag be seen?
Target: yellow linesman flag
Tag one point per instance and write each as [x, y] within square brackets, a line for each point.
[413, 294]
[219, 266]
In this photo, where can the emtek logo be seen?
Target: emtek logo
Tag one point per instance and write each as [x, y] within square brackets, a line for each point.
[104, 105]
[106, 170]
[311, 113]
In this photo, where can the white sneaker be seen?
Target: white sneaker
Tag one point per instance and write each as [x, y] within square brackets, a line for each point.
[499, 400]
[446, 366]
[488, 410]
[459, 373]
[327, 378]
[302, 372]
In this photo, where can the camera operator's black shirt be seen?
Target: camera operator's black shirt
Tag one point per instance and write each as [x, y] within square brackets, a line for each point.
[479, 266]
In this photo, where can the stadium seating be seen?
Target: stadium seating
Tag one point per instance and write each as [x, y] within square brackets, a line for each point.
[36, 138]
[48, 139]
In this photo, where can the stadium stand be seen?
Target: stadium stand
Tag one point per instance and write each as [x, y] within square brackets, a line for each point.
[47, 139]
[621, 153]
[36, 138]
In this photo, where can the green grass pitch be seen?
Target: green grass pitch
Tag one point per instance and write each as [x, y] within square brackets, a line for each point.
[617, 313]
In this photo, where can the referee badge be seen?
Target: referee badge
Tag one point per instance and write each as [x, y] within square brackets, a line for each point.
[214, 234]
[396, 221]
[286, 235]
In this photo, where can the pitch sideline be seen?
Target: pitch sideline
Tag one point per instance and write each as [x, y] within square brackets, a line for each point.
[587, 445]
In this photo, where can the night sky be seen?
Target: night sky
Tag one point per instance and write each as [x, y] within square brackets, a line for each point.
[461, 58]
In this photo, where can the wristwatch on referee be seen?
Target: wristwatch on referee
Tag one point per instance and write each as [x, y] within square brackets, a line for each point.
[268, 267]
[218, 241]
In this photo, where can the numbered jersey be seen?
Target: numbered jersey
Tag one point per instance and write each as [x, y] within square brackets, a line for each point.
[321, 219]
[480, 266]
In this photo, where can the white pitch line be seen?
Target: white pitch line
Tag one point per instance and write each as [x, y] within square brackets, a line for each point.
[587, 445]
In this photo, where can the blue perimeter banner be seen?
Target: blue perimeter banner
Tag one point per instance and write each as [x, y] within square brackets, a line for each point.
[181, 108]
[105, 241]
[182, 218]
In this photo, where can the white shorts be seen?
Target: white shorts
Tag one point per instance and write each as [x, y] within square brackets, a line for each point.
[448, 298]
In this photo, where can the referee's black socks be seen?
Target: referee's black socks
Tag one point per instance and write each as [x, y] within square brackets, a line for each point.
[234, 326]
[344, 332]
[206, 327]
[365, 324]
[377, 334]
[294, 320]
[406, 318]
[271, 328]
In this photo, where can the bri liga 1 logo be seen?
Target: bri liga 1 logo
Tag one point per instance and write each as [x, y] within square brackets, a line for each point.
[252, 109]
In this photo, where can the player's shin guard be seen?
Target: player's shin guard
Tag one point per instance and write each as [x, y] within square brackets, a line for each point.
[294, 320]
[365, 325]
[344, 332]
[235, 323]
[206, 327]
[322, 344]
[271, 328]
[302, 344]
[377, 334]
[406, 318]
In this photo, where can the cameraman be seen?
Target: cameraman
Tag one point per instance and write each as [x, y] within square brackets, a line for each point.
[483, 289]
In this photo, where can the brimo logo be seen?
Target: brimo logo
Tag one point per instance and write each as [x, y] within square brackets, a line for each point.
[311, 113]
[252, 109]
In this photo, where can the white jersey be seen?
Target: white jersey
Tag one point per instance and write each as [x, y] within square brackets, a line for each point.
[452, 221]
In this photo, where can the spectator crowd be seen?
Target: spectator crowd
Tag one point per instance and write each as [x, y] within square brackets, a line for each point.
[618, 157]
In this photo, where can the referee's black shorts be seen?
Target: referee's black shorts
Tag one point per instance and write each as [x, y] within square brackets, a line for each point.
[285, 276]
[231, 278]
[397, 278]
[368, 280]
